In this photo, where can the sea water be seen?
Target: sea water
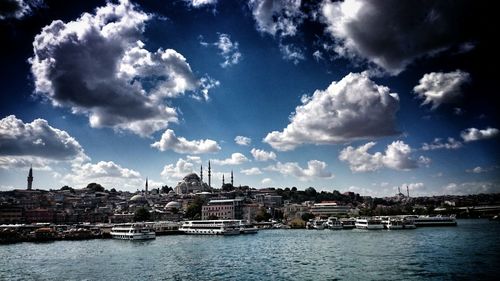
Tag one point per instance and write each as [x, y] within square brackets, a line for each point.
[469, 251]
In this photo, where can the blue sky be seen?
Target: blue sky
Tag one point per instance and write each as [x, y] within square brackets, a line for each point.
[348, 95]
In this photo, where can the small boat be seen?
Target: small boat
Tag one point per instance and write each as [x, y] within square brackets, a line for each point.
[393, 224]
[211, 227]
[333, 223]
[318, 224]
[348, 223]
[408, 224]
[132, 231]
[247, 228]
[369, 223]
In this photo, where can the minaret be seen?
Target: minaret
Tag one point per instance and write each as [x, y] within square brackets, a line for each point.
[223, 180]
[408, 191]
[201, 173]
[30, 178]
[209, 175]
[146, 185]
[232, 182]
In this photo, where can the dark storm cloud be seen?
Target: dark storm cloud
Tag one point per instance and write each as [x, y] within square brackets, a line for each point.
[98, 66]
[17, 8]
[391, 34]
[37, 139]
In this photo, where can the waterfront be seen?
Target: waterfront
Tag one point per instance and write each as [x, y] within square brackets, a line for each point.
[469, 251]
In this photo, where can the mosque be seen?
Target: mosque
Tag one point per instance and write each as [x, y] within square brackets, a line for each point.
[192, 183]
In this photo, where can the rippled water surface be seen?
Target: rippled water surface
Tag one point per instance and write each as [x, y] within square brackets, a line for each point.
[470, 251]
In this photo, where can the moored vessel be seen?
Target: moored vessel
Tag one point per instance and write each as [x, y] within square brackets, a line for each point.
[211, 227]
[132, 231]
[369, 223]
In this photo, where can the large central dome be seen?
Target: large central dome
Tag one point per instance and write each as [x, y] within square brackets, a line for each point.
[191, 183]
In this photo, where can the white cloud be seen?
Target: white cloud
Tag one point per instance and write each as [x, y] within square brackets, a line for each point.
[228, 50]
[438, 87]
[201, 3]
[292, 53]
[471, 188]
[315, 169]
[108, 174]
[241, 140]
[364, 29]
[351, 109]
[181, 145]
[194, 159]
[178, 171]
[252, 171]
[96, 65]
[473, 134]
[277, 17]
[37, 143]
[262, 155]
[235, 159]
[397, 156]
[267, 181]
[480, 170]
[438, 144]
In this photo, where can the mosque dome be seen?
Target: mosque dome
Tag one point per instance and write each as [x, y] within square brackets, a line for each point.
[138, 198]
[173, 205]
[191, 177]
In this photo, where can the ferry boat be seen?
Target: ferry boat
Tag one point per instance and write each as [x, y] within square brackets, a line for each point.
[246, 228]
[132, 231]
[370, 223]
[211, 227]
[348, 223]
[333, 223]
[433, 221]
[408, 224]
[394, 224]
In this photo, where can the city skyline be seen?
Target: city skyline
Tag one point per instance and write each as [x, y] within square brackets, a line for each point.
[351, 95]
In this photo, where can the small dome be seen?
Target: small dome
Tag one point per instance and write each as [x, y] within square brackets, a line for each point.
[138, 198]
[173, 205]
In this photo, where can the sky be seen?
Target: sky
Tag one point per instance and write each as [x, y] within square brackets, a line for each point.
[353, 95]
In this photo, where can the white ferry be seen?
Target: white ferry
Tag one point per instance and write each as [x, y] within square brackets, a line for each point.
[348, 223]
[364, 223]
[394, 224]
[132, 231]
[333, 223]
[211, 227]
[246, 228]
[433, 221]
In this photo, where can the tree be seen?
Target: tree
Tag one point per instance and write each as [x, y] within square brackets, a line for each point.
[297, 223]
[141, 214]
[307, 216]
[194, 208]
[68, 188]
[95, 187]
[262, 215]
[227, 187]
[166, 189]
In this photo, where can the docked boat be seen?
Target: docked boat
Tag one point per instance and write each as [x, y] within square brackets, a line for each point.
[211, 227]
[348, 223]
[393, 224]
[433, 220]
[132, 231]
[369, 223]
[333, 223]
[318, 224]
[247, 228]
[408, 224]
